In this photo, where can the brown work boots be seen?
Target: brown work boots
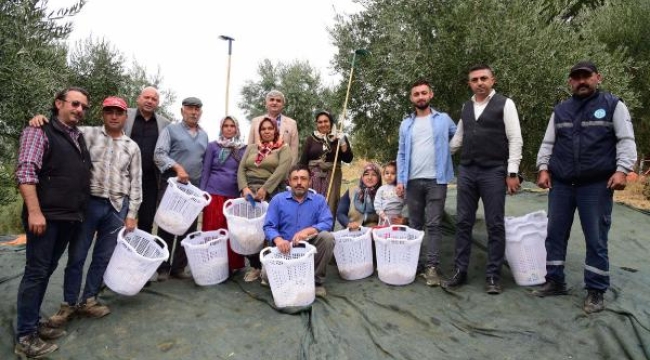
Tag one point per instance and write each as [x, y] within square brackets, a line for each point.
[65, 313]
[91, 309]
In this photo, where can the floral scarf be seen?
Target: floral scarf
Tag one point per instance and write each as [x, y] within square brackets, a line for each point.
[367, 193]
[228, 145]
[265, 148]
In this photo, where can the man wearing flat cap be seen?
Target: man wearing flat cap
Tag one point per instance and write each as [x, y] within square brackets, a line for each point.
[179, 152]
[587, 151]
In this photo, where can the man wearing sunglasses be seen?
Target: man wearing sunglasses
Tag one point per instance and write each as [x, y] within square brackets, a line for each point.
[490, 136]
[53, 175]
[116, 194]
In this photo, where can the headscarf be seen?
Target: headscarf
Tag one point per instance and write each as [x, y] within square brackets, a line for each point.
[265, 148]
[228, 145]
[325, 139]
[365, 191]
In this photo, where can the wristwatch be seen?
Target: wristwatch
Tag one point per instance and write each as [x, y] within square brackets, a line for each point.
[512, 175]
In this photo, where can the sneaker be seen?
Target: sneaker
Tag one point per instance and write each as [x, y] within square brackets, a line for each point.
[459, 278]
[32, 346]
[320, 291]
[551, 288]
[65, 313]
[93, 309]
[594, 302]
[252, 274]
[46, 332]
[432, 276]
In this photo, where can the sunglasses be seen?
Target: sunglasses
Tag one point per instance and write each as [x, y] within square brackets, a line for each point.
[77, 103]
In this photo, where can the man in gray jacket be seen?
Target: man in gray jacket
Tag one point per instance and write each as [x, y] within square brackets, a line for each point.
[143, 125]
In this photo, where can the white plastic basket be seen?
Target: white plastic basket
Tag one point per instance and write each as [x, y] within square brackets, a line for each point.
[245, 223]
[180, 206]
[398, 249]
[525, 247]
[135, 259]
[291, 276]
[207, 254]
[353, 253]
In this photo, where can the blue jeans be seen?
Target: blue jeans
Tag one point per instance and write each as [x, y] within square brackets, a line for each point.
[594, 202]
[489, 185]
[103, 219]
[425, 199]
[43, 253]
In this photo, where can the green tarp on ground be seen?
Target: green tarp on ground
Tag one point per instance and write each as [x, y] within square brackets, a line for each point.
[367, 319]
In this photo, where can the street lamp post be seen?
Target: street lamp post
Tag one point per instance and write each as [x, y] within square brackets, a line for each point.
[229, 40]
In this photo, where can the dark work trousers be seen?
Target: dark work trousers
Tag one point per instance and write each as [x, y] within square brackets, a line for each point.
[489, 185]
[149, 202]
[425, 199]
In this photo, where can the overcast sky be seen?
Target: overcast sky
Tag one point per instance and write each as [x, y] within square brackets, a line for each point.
[182, 38]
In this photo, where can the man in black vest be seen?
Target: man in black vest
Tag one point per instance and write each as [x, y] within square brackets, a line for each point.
[490, 136]
[587, 151]
[53, 175]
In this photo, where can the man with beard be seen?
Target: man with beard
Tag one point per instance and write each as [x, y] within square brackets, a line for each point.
[587, 151]
[424, 168]
[490, 136]
[301, 215]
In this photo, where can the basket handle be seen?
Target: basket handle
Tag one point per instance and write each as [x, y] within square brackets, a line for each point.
[223, 232]
[263, 253]
[305, 244]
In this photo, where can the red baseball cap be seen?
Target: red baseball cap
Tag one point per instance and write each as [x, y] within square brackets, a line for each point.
[114, 101]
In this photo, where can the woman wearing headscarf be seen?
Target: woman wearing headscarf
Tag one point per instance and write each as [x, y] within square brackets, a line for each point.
[356, 207]
[219, 179]
[261, 175]
[318, 152]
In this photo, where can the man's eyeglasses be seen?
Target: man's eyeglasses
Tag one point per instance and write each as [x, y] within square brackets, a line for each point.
[77, 103]
[474, 80]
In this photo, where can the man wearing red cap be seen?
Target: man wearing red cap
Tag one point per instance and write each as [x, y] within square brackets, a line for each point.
[587, 151]
[116, 194]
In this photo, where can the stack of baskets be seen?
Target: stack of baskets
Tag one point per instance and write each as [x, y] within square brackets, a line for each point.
[180, 206]
[135, 259]
[207, 254]
[291, 276]
[353, 253]
[245, 223]
[398, 249]
[525, 247]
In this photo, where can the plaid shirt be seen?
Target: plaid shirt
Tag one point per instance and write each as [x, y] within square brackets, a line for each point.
[33, 145]
[117, 168]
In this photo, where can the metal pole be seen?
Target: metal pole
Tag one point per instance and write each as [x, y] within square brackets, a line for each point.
[230, 40]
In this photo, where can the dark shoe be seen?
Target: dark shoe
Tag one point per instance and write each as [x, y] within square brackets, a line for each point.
[45, 332]
[459, 278]
[93, 309]
[432, 276]
[594, 302]
[551, 288]
[162, 276]
[493, 286]
[181, 275]
[65, 313]
[33, 347]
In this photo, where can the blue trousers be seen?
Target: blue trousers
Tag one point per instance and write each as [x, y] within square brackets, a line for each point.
[594, 203]
[489, 185]
[103, 219]
[43, 253]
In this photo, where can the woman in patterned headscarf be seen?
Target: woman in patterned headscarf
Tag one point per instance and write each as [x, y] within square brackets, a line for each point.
[356, 207]
[219, 179]
[318, 153]
[261, 175]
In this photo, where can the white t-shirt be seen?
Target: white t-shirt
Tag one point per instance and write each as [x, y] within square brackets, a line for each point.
[423, 163]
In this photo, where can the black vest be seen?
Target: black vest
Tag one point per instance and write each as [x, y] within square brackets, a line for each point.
[585, 141]
[484, 140]
[64, 179]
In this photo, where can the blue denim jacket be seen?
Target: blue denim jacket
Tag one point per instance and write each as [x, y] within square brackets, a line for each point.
[443, 130]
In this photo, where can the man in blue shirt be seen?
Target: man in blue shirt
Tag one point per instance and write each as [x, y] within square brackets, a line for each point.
[300, 215]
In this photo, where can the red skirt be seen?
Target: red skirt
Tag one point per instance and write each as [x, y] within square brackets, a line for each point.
[213, 219]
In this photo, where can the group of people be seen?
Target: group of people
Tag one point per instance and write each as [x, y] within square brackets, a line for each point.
[84, 183]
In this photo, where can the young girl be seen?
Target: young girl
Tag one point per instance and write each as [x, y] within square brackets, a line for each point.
[387, 204]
